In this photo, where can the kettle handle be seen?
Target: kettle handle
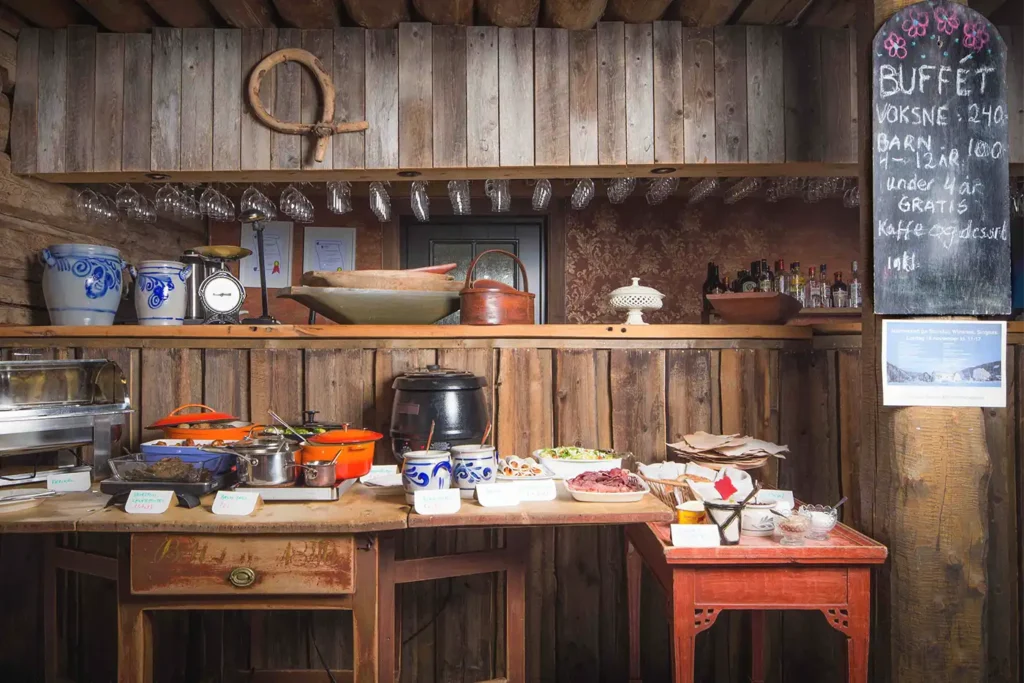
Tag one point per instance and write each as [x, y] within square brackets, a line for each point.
[47, 257]
[185, 272]
[522, 268]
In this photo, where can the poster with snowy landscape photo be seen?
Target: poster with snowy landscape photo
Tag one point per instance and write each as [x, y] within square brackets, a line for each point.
[943, 363]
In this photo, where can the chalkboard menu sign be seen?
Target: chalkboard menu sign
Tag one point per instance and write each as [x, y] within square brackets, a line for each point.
[941, 164]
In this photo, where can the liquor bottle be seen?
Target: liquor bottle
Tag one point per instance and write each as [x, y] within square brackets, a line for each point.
[748, 283]
[766, 281]
[824, 288]
[840, 292]
[708, 288]
[854, 288]
[813, 295]
[781, 277]
[796, 283]
[725, 283]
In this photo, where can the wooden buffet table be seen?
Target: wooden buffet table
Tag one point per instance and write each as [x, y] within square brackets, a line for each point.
[292, 556]
[831, 576]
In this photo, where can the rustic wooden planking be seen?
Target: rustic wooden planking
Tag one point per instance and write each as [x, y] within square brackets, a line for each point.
[226, 381]
[245, 13]
[415, 101]
[688, 392]
[81, 98]
[286, 150]
[639, 53]
[227, 105]
[730, 94]
[802, 87]
[349, 98]
[668, 92]
[704, 13]
[196, 99]
[1013, 36]
[169, 378]
[184, 13]
[320, 43]
[255, 137]
[382, 98]
[275, 383]
[839, 132]
[448, 73]
[551, 84]
[611, 93]
[849, 398]
[120, 16]
[334, 385]
[137, 119]
[108, 117]
[166, 110]
[766, 113]
[698, 96]
[768, 11]
[53, 62]
[25, 107]
[515, 96]
[583, 146]
[5, 119]
[482, 96]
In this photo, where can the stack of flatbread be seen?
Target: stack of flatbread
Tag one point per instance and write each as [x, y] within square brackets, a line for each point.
[727, 450]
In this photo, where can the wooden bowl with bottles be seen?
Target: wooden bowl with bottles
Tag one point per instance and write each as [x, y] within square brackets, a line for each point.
[754, 308]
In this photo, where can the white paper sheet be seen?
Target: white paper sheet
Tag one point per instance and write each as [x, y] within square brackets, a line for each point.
[328, 249]
[277, 244]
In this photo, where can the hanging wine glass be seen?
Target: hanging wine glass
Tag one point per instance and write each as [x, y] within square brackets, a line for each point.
[458, 194]
[339, 196]
[619, 189]
[582, 194]
[541, 195]
[851, 198]
[419, 201]
[380, 201]
[661, 189]
[741, 190]
[501, 197]
[702, 190]
[127, 198]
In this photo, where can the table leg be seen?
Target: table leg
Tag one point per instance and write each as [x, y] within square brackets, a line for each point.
[684, 631]
[854, 621]
[366, 613]
[634, 571]
[134, 644]
[757, 646]
[387, 642]
[50, 641]
[517, 544]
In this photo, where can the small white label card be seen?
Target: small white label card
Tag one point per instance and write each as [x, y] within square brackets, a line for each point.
[439, 502]
[149, 502]
[235, 502]
[69, 481]
[382, 475]
[498, 495]
[695, 536]
[774, 496]
[536, 491]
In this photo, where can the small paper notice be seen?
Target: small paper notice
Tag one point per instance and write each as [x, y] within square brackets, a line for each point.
[774, 496]
[536, 491]
[69, 481]
[440, 502]
[235, 503]
[329, 249]
[498, 495]
[695, 536]
[149, 502]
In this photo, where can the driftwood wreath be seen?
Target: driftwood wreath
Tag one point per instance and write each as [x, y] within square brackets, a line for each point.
[322, 129]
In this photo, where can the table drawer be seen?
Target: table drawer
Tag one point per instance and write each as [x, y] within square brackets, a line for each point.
[177, 564]
[800, 587]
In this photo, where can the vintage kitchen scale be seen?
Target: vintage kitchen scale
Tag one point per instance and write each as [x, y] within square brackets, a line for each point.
[221, 294]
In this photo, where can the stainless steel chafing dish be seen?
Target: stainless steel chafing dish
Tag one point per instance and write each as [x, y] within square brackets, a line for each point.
[63, 404]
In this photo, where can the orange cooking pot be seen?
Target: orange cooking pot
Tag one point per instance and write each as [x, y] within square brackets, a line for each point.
[208, 424]
[354, 448]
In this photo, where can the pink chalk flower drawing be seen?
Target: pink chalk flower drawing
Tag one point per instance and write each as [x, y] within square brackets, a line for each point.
[916, 23]
[896, 46]
[946, 20]
[975, 35]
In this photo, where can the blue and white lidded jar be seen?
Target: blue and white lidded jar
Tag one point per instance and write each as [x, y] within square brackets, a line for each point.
[473, 464]
[425, 471]
[160, 293]
[82, 283]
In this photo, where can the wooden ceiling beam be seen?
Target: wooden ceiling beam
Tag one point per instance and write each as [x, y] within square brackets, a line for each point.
[636, 11]
[309, 13]
[377, 13]
[509, 13]
[10, 21]
[575, 15]
[830, 14]
[445, 12]
[50, 13]
[772, 11]
[703, 12]
[184, 13]
[121, 16]
[246, 13]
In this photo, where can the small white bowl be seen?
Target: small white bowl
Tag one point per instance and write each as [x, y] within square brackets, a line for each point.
[567, 469]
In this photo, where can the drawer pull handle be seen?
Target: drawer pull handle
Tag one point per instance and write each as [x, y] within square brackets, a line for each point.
[242, 577]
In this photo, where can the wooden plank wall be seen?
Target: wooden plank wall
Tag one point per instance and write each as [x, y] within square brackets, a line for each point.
[437, 97]
[632, 398]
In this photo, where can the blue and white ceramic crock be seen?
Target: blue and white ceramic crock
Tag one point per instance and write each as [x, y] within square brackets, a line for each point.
[82, 283]
[471, 465]
[160, 295]
[425, 470]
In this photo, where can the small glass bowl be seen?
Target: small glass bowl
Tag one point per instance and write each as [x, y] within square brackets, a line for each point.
[793, 528]
[822, 520]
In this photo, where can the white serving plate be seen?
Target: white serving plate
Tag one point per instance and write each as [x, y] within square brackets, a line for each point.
[594, 497]
[567, 469]
[546, 474]
[375, 306]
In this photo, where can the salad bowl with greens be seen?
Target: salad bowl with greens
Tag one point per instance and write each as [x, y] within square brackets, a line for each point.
[569, 461]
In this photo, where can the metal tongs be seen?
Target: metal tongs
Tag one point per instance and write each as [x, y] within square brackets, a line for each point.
[286, 425]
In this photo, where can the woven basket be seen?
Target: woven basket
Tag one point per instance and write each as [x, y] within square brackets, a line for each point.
[663, 489]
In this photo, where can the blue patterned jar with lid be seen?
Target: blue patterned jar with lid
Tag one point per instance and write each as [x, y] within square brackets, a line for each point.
[160, 293]
[82, 283]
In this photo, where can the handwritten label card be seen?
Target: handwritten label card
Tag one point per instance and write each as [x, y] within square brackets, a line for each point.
[695, 536]
[941, 164]
[498, 495]
[774, 496]
[536, 491]
[69, 481]
[439, 502]
[236, 503]
[149, 502]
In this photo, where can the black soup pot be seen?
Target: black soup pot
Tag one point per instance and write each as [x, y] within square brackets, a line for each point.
[453, 399]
